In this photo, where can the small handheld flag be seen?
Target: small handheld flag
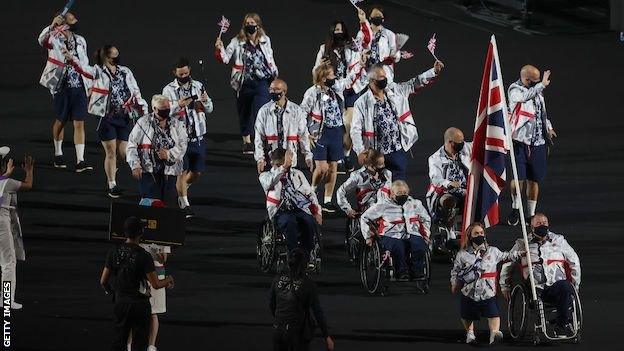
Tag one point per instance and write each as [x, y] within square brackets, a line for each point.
[224, 25]
[432, 46]
[355, 2]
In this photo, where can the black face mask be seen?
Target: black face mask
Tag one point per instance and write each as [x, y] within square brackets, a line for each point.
[251, 28]
[163, 114]
[457, 147]
[184, 80]
[115, 60]
[532, 84]
[73, 27]
[275, 96]
[330, 82]
[401, 199]
[381, 83]
[540, 231]
[478, 240]
[339, 37]
[377, 20]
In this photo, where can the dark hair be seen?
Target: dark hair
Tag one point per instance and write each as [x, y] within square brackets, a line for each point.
[182, 62]
[133, 227]
[375, 7]
[278, 155]
[297, 261]
[465, 239]
[101, 54]
[331, 45]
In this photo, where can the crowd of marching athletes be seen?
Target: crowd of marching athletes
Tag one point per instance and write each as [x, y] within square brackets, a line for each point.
[354, 107]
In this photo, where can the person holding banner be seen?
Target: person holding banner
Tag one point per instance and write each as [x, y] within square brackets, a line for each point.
[115, 97]
[474, 274]
[382, 118]
[556, 270]
[155, 151]
[253, 70]
[190, 104]
[532, 134]
[11, 243]
[69, 91]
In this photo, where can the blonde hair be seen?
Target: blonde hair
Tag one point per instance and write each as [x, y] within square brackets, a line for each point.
[399, 184]
[242, 35]
[321, 72]
[158, 100]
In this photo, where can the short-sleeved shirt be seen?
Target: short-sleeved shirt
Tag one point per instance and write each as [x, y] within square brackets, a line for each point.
[256, 67]
[386, 128]
[130, 265]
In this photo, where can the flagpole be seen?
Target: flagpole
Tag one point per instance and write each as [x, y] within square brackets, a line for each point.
[515, 177]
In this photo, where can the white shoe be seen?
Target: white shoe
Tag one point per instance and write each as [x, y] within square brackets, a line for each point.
[151, 348]
[16, 306]
[470, 337]
[496, 337]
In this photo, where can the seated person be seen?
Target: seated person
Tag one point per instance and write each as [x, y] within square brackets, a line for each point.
[448, 171]
[556, 270]
[400, 221]
[290, 200]
[372, 183]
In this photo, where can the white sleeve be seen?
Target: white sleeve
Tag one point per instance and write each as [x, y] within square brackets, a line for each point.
[507, 267]
[369, 217]
[344, 189]
[435, 174]
[132, 153]
[260, 135]
[356, 127]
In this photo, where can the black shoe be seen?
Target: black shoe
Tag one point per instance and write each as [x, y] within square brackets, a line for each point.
[330, 207]
[404, 277]
[114, 192]
[248, 149]
[564, 330]
[83, 166]
[59, 162]
[348, 165]
[514, 217]
[188, 213]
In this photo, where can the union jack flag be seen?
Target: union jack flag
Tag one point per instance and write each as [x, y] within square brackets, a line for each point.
[486, 177]
[224, 24]
[355, 2]
[432, 44]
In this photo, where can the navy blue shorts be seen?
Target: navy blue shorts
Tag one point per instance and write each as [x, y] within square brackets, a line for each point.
[396, 162]
[70, 104]
[195, 157]
[329, 147]
[350, 96]
[531, 161]
[471, 310]
[158, 186]
[115, 127]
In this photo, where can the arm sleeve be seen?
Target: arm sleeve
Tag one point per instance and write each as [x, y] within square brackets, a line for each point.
[317, 310]
[260, 136]
[457, 266]
[269, 178]
[516, 94]
[356, 128]
[364, 35]
[177, 152]
[435, 174]
[176, 110]
[416, 83]
[573, 262]
[319, 57]
[505, 275]
[132, 153]
[304, 135]
[341, 194]
[369, 217]
[224, 55]
[273, 297]
[148, 263]
[309, 192]
[44, 38]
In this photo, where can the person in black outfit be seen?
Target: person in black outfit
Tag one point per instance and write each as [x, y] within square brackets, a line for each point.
[292, 296]
[132, 267]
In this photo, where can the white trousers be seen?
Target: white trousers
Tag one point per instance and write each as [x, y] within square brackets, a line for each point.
[7, 253]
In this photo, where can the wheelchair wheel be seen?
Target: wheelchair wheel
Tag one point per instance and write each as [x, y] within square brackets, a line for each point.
[266, 246]
[427, 272]
[317, 251]
[353, 240]
[518, 312]
[577, 316]
[371, 273]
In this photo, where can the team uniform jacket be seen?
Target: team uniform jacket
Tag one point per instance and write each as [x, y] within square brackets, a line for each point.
[369, 190]
[396, 221]
[362, 128]
[476, 271]
[523, 110]
[295, 131]
[438, 177]
[236, 49]
[387, 46]
[172, 91]
[272, 185]
[55, 67]
[557, 258]
[140, 154]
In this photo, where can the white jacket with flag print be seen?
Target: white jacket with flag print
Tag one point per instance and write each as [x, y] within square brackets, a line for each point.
[172, 91]
[399, 222]
[272, 185]
[140, 152]
[438, 173]
[236, 49]
[54, 70]
[295, 131]
[368, 190]
[362, 127]
[522, 109]
[389, 54]
[557, 258]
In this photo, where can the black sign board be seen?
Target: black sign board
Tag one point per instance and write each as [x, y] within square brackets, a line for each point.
[163, 225]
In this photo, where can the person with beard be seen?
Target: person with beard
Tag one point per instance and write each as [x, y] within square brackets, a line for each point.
[556, 270]
[253, 70]
[474, 273]
[401, 223]
[382, 118]
[69, 91]
[342, 52]
[115, 97]
[190, 104]
[155, 151]
[281, 123]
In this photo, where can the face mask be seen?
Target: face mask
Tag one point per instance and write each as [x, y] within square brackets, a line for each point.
[457, 147]
[540, 231]
[73, 27]
[478, 240]
[163, 114]
[183, 80]
[330, 82]
[401, 199]
[339, 37]
[381, 83]
[376, 20]
[532, 84]
[250, 28]
[275, 96]
[380, 169]
[115, 60]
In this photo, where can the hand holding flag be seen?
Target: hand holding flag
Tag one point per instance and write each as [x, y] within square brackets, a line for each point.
[355, 2]
[224, 25]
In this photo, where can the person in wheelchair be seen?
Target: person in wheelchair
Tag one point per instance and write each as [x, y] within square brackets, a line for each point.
[474, 273]
[372, 182]
[448, 170]
[400, 223]
[556, 271]
[290, 200]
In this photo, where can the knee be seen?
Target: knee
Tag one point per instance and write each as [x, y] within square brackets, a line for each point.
[78, 125]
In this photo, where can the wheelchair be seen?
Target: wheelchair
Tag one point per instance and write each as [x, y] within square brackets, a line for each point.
[526, 317]
[445, 238]
[354, 241]
[271, 249]
[377, 270]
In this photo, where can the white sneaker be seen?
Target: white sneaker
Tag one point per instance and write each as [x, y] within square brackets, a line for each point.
[470, 337]
[496, 337]
[16, 306]
[151, 348]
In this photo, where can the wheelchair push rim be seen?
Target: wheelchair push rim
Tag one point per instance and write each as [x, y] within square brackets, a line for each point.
[517, 312]
[370, 269]
[353, 244]
[265, 247]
